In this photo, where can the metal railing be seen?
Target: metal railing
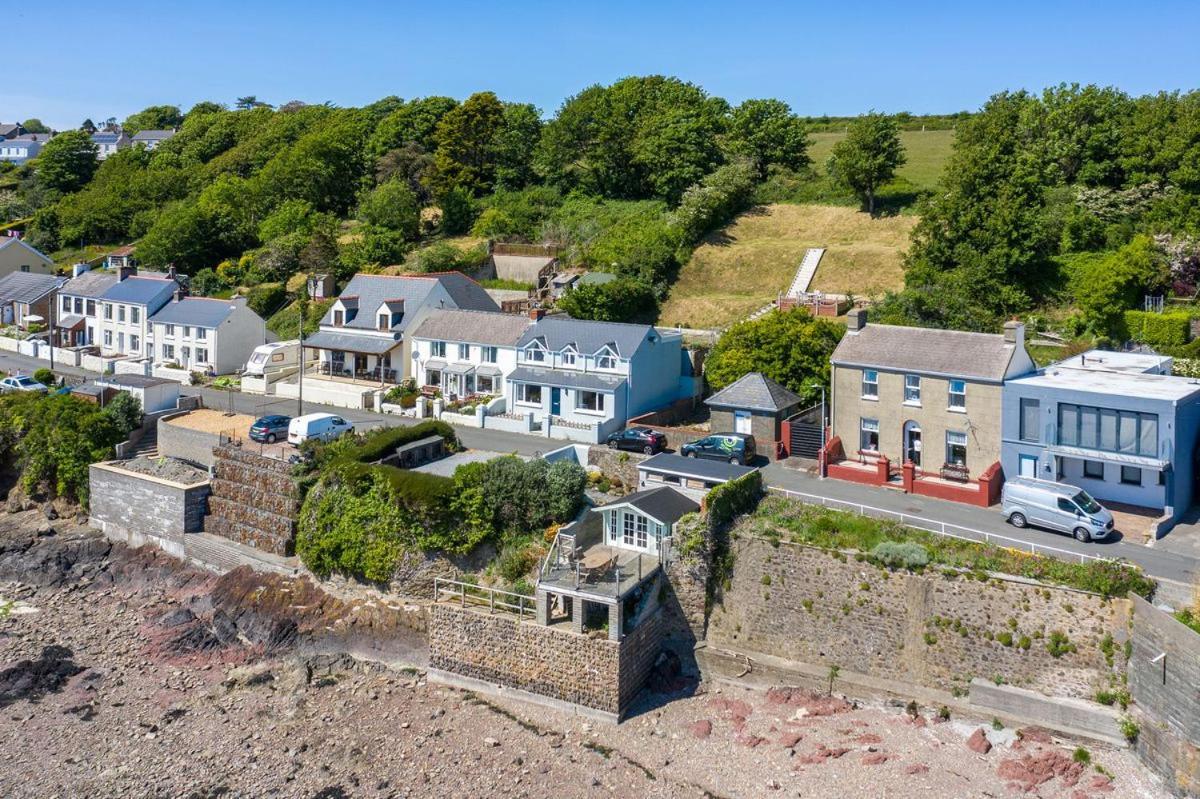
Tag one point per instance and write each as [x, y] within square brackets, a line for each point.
[936, 527]
[478, 596]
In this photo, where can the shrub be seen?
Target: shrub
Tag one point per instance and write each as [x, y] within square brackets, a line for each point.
[729, 500]
[901, 554]
[1005, 638]
[1059, 644]
[383, 441]
[266, 299]
[516, 561]
[517, 496]
[1081, 755]
[126, 411]
[1158, 330]
[1129, 728]
[44, 376]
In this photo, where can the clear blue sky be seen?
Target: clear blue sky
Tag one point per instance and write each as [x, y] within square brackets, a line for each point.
[84, 59]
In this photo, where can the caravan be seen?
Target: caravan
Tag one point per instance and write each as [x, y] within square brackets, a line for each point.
[273, 357]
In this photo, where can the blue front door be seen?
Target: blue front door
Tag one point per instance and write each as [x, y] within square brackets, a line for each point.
[555, 401]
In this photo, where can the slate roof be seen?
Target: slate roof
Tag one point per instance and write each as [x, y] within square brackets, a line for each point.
[663, 504]
[13, 241]
[90, 284]
[566, 378]
[473, 327]
[8, 127]
[556, 332]
[133, 381]
[754, 392]
[373, 291]
[196, 311]
[349, 342]
[27, 286]
[669, 463]
[923, 350]
[153, 135]
[138, 290]
[596, 278]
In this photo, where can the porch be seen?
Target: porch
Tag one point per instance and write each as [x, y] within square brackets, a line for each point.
[593, 568]
[369, 360]
[952, 481]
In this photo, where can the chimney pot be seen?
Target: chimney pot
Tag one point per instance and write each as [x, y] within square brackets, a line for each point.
[537, 314]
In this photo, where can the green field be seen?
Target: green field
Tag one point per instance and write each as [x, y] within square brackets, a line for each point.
[927, 153]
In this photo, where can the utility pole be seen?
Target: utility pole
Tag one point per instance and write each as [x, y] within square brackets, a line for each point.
[50, 319]
[300, 331]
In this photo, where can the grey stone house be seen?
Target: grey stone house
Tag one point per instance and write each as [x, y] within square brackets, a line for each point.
[753, 404]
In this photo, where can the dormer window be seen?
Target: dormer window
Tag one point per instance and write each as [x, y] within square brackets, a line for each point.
[606, 359]
[339, 317]
[384, 320]
[535, 353]
[568, 356]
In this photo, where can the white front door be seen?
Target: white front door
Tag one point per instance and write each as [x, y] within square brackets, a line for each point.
[741, 422]
[1027, 466]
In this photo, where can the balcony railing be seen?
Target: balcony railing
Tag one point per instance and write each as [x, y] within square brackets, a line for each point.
[599, 569]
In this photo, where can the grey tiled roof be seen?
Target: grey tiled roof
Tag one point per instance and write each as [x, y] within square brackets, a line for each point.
[668, 463]
[473, 327]
[350, 342]
[754, 392]
[148, 291]
[90, 284]
[664, 504]
[13, 241]
[197, 311]
[556, 332]
[27, 286]
[566, 378]
[373, 290]
[153, 135]
[922, 350]
[134, 381]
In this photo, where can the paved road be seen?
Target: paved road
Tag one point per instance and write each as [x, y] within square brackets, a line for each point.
[1172, 560]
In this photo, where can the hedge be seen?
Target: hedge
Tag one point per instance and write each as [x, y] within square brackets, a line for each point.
[730, 500]
[381, 443]
[1158, 329]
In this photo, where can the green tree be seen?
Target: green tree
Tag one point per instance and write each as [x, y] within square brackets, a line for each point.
[792, 348]
[414, 122]
[465, 157]
[1107, 285]
[155, 117]
[868, 157]
[410, 163]
[515, 143]
[67, 162]
[621, 300]
[458, 212]
[35, 125]
[770, 134]
[249, 102]
[126, 412]
[392, 206]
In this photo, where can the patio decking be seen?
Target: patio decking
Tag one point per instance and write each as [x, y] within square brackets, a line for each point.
[599, 570]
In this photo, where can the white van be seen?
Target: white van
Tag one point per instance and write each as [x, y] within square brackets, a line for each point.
[1055, 506]
[273, 357]
[321, 426]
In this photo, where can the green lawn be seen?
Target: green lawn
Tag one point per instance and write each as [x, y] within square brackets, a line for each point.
[927, 153]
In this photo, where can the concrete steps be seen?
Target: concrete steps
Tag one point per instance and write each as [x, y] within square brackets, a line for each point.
[147, 445]
[806, 271]
[222, 555]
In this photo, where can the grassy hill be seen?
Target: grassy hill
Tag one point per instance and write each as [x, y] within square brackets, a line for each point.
[927, 153]
[746, 264]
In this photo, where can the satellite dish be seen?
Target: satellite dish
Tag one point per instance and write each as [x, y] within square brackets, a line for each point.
[416, 356]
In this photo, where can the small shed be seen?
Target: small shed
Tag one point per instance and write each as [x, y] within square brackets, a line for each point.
[643, 519]
[690, 476]
[97, 395]
[753, 404]
[155, 393]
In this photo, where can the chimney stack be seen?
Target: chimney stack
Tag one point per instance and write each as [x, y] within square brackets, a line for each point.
[536, 314]
[125, 271]
[1014, 333]
[856, 319]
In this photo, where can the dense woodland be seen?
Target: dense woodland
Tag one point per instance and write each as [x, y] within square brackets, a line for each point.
[1079, 198]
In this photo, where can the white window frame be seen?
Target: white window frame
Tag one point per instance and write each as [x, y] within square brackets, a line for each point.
[534, 352]
[464, 352]
[437, 349]
[866, 425]
[961, 395]
[168, 351]
[606, 360]
[488, 354]
[956, 438]
[870, 384]
[201, 333]
[581, 407]
[170, 331]
[568, 356]
[912, 389]
[201, 355]
[522, 394]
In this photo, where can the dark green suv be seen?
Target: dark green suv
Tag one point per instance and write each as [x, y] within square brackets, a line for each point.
[732, 447]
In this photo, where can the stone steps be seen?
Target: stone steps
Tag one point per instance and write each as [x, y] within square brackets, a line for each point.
[221, 555]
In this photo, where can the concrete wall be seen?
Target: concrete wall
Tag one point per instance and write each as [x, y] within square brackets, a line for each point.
[931, 629]
[194, 446]
[551, 662]
[1165, 698]
[933, 415]
[139, 509]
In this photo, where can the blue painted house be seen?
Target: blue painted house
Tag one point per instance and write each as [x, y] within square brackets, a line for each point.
[1116, 424]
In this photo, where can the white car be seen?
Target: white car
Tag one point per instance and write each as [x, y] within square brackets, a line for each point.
[20, 383]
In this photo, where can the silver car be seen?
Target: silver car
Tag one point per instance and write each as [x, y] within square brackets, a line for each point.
[1055, 506]
[20, 383]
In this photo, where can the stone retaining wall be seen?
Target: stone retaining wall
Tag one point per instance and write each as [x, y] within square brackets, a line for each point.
[194, 446]
[140, 509]
[1164, 693]
[255, 501]
[935, 629]
[617, 463]
[550, 661]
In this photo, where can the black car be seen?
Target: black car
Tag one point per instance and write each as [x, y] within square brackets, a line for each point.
[638, 439]
[270, 429]
[732, 447]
